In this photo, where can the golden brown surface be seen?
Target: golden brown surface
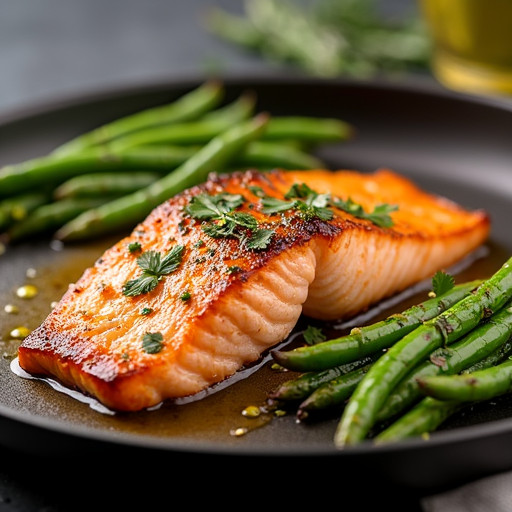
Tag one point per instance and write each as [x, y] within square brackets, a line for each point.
[325, 269]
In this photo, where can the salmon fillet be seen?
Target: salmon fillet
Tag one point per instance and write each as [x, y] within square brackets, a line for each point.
[226, 302]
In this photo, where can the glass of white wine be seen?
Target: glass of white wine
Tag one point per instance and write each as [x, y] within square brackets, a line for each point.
[472, 44]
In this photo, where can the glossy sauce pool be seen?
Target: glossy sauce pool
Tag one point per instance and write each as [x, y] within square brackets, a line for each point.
[217, 414]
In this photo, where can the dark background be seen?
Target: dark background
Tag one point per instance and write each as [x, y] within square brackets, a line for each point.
[59, 49]
[51, 49]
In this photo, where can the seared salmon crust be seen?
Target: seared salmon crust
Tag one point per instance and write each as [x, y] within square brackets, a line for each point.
[227, 303]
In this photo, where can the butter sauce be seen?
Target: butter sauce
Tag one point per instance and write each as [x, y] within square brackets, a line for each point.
[217, 412]
[57, 386]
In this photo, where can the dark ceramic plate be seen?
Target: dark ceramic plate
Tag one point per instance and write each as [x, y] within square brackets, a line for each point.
[454, 145]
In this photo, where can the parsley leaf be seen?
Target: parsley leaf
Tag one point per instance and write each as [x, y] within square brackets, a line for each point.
[379, 216]
[206, 207]
[308, 203]
[224, 222]
[313, 335]
[260, 239]
[442, 282]
[272, 205]
[257, 191]
[143, 284]
[134, 247]
[154, 267]
[152, 342]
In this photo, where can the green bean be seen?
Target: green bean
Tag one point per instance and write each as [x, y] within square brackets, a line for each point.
[372, 338]
[479, 343]
[186, 108]
[332, 393]
[52, 170]
[198, 132]
[470, 387]
[371, 393]
[17, 208]
[311, 130]
[303, 385]
[492, 359]
[422, 419]
[429, 413]
[263, 154]
[101, 184]
[128, 210]
[49, 217]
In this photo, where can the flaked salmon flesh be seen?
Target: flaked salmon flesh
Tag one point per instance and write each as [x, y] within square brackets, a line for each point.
[226, 303]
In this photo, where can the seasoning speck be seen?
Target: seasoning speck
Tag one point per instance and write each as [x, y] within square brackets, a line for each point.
[251, 411]
[11, 309]
[185, 296]
[237, 432]
[134, 247]
[20, 333]
[27, 291]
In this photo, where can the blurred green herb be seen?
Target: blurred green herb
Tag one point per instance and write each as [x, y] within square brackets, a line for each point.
[326, 37]
[313, 335]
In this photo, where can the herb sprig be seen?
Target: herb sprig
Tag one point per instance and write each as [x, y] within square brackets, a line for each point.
[154, 267]
[223, 221]
[308, 203]
[152, 342]
[442, 282]
[379, 216]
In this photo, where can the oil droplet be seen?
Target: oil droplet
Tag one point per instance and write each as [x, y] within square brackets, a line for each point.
[27, 291]
[11, 309]
[251, 411]
[31, 273]
[237, 432]
[20, 333]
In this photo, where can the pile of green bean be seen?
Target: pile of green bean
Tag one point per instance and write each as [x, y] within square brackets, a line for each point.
[110, 178]
[406, 375]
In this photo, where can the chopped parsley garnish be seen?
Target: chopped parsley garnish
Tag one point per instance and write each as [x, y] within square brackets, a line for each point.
[152, 342]
[301, 198]
[234, 269]
[442, 282]
[257, 191]
[185, 296]
[260, 239]
[313, 335]
[222, 221]
[310, 205]
[154, 267]
[146, 311]
[379, 216]
[134, 247]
